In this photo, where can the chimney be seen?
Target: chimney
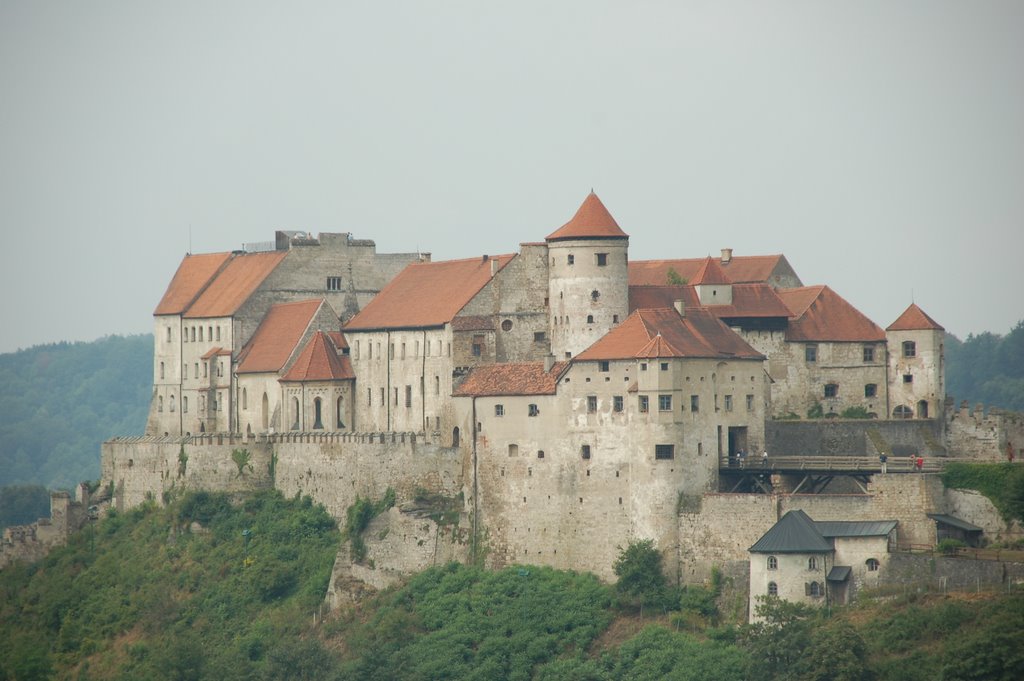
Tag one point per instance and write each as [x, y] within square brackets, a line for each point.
[726, 255]
[549, 362]
[494, 267]
[680, 307]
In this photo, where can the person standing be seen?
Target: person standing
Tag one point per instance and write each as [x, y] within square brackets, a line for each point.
[882, 459]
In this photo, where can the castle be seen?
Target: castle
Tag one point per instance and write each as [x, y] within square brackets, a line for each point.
[563, 398]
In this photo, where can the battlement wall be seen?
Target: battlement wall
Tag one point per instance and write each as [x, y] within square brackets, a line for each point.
[980, 435]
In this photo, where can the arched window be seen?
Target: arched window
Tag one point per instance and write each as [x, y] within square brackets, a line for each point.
[295, 412]
[902, 412]
[812, 563]
[160, 403]
[773, 589]
[814, 589]
[341, 412]
[773, 563]
[265, 412]
[184, 404]
[172, 403]
[317, 411]
[590, 319]
[455, 437]
[872, 564]
[200, 334]
[922, 409]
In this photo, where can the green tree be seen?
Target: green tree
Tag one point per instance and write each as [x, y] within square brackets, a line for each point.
[638, 567]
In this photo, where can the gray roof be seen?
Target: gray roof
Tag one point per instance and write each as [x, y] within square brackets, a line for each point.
[839, 573]
[855, 528]
[794, 533]
[955, 522]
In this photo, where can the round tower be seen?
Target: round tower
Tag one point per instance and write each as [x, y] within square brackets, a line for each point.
[588, 281]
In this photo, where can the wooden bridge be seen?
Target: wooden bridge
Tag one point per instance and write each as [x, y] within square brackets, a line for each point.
[754, 472]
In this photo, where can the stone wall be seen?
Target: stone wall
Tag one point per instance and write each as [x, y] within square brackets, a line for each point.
[855, 437]
[28, 543]
[977, 435]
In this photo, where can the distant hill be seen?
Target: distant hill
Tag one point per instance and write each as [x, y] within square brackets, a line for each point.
[58, 402]
[987, 368]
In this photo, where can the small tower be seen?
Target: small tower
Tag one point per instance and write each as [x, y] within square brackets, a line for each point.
[712, 285]
[917, 368]
[588, 281]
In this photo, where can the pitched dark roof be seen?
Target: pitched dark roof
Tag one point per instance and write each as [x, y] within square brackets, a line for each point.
[592, 221]
[953, 521]
[839, 573]
[855, 528]
[794, 533]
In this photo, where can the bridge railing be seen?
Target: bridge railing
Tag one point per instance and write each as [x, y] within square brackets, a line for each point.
[859, 464]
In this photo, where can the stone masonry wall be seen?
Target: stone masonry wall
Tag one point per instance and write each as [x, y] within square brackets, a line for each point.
[979, 436]
[855, 437]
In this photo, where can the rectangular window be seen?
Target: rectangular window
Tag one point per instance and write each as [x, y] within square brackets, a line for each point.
[869, 353]
[694, 403]
[168, 334]
[602, 366]
[570, 259]
[539, 336]
[602, 259]
[728, 402]
[664, 403]
[394, 392]
[333, 283]
[870, 390]
[750, 403]
[908, 378]
[403, 351]
[663, 452]
[437, 385]
[200, 334]
[477, 350]
[811, 353]
[831, 390]
[591, 404]
[382, 398]
[533, 410]
[499, 410]
[369, 397]
[643, 404]
[643, 366]
[664, 366]
[617, 403]
[218, 333]
[585, 451]
[909, 349]
[408, 396]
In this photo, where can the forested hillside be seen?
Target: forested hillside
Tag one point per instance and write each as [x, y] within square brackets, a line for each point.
[209, 588]
[59, 402]
[987, 368]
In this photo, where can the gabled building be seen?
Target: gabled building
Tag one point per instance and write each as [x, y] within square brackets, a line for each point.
[804, 561]
[216, 301]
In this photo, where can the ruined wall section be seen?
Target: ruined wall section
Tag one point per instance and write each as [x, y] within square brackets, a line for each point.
[977, 435]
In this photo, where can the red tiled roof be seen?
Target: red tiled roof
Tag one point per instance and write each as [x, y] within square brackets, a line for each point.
[748, 300]
[191, 277]
[319, 361]
[592, 221]
[277, 336]
[709, 272]
[339, 339]
[234, 284]
[741, 269]
[914, 319]
[698, 334]
[213, 352]
[517, 378]
[821, 314]
[426, 294]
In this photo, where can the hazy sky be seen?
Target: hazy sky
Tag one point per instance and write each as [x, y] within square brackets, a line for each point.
[878, 144]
